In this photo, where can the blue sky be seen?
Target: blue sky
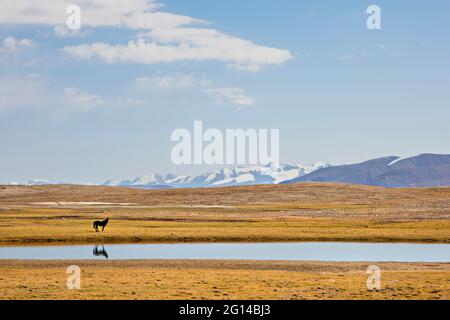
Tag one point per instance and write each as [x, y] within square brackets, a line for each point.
[337, 91]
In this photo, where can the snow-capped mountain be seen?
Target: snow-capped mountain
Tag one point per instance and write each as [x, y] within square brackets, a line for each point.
[147, 180]
[425, 170]
[34, 182]
[269, 174]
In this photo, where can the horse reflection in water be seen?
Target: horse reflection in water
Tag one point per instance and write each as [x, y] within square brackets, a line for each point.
[100, 251]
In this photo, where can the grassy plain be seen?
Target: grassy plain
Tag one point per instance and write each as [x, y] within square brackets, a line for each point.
[155, 280]
[302, 212]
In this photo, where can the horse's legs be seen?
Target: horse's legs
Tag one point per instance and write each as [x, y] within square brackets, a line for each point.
[103, 228]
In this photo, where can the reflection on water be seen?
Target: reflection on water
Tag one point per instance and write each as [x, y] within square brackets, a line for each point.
[100, 251]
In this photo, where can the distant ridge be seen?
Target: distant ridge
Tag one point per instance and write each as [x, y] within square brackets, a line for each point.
[251, 175]
[425, 170]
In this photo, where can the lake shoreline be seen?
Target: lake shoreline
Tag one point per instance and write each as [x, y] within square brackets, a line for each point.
[19, 230]
[197, 241]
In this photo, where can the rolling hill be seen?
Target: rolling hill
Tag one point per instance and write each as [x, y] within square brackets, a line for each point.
[425, 170]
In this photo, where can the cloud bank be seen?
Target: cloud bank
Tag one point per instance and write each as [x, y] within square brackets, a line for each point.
[10, 43]
[163, 37]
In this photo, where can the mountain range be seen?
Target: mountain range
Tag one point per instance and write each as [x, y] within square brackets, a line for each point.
[269, 174]
[425, 170]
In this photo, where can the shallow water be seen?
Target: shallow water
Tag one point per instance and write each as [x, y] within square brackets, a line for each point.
[311, 251]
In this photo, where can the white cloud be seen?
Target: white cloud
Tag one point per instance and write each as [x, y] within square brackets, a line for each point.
[182, 44]
[235, 96]
[210, 44]
[133, 14]
[12, 44]
[61, 31]
[32, 91]
[165, 37]
[81, 99]
[173, 81]
[224, 95]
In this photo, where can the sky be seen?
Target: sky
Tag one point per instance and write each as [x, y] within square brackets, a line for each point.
[101, 102]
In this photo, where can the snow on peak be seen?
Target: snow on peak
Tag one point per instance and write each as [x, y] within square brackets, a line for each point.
[399, 159]
[38, 182]
[229, 176]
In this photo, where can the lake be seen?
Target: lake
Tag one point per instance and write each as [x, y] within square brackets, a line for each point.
[300, 251]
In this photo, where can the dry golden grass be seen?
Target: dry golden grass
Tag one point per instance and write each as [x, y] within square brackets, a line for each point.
[307, 196]
[300, 212]
[221, 280]
[75, 230]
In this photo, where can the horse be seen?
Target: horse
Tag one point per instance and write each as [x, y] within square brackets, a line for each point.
[100, 224]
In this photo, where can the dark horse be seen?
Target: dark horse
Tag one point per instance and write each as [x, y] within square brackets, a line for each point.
[100, 224]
